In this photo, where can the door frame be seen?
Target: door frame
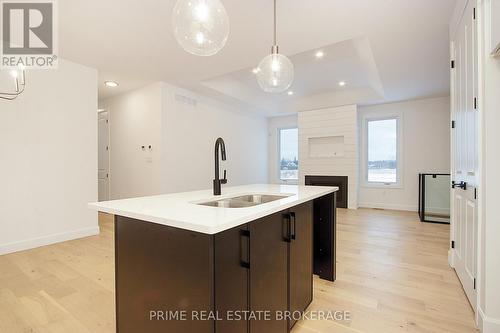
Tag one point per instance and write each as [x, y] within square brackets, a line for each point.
[481, 51]
[99, 112]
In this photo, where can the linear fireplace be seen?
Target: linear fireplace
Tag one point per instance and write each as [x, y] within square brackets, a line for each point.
[339, 181]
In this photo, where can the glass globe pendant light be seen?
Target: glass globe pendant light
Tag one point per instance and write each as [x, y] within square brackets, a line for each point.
[201, 27]
[19, 76]
[275, 72]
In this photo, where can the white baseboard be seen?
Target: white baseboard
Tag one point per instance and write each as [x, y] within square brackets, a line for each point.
[47, 240]
[487, 324]
[411, 208]
[451, 261]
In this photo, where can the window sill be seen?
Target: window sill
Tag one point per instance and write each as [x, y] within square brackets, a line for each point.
[382, 185]
[289, 182]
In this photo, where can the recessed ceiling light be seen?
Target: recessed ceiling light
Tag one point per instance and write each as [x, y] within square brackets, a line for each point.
[320, 54]
[290, 93]
[342, 83]
[256, 70]
[111, 84]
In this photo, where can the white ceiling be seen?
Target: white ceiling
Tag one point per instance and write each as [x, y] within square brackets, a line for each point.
[316, 82]
[386, 50]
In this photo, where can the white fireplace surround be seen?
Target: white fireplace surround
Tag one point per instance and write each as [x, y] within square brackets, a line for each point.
[328, 146]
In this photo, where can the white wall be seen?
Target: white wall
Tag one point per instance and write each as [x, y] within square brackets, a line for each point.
[182, 128]
[188, 138]
[274, 124]
[48, 158]
[135, 121]
[426, 147]
[489, 223]
[339, 121]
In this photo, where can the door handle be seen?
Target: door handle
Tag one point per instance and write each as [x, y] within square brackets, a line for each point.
[245, 250]
[287, 221]
[293, 226]
[462, 185]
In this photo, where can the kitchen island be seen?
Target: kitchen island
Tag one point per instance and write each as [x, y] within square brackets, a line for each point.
[240, 262]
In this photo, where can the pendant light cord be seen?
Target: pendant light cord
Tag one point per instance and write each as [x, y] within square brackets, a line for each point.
[275, 24]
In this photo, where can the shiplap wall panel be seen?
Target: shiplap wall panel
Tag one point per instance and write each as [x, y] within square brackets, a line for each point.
[339, 121]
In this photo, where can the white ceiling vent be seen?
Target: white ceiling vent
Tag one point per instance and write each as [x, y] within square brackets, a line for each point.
[186, 100]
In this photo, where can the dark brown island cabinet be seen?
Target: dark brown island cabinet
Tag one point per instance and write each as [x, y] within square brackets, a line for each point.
[242, 280]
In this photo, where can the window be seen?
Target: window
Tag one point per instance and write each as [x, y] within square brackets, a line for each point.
[382, 151]
[288, 154]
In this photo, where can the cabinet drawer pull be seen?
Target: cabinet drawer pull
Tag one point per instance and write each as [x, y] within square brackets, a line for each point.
[293, 226]
[245, 250]
[287, 221]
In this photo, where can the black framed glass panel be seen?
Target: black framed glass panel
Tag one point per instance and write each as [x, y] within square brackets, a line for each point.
[434, 197]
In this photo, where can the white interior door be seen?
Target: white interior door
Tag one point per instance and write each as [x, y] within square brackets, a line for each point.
[465, 153]
[103, 143]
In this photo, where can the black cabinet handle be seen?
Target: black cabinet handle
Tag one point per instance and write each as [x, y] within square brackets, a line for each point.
[287, 222]
[293, 225]
[245, 250]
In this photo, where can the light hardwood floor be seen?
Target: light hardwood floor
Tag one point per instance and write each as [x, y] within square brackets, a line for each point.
[393, 276]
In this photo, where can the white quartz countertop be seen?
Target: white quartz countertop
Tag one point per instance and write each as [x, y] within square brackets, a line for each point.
[181, 210]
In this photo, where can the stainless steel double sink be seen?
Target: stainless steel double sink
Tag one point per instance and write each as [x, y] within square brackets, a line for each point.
[243, 201]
